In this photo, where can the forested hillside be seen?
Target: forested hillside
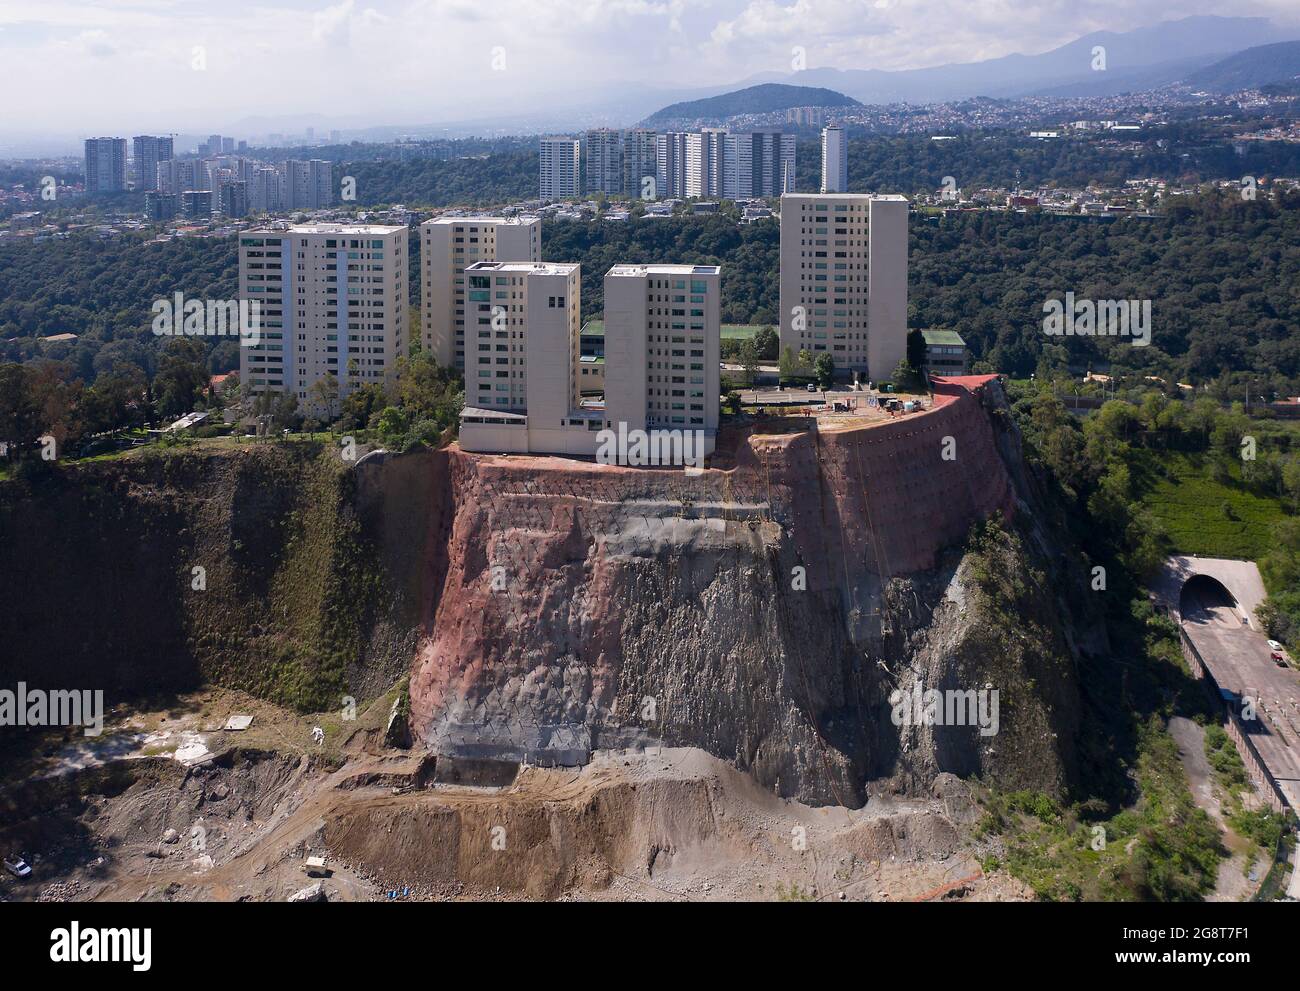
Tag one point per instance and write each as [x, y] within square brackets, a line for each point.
[916, 164]
[1221, 275]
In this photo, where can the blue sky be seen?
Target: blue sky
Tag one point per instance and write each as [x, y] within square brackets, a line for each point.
[127, 66]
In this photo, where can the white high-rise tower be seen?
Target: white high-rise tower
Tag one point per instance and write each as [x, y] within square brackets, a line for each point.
[835, 160]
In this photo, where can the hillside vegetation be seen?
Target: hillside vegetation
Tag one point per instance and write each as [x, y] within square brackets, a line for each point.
[765, 98]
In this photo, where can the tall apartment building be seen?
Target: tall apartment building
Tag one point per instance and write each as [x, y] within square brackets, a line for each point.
[663, 336]
[179, 175]
[160, 207]
[560, 160]
[670, 165]
[149, 151]
[704, 162]
[844, 279]
[447, 246]
[333, 301]
[835, 160]
[619, 161]
[234, 199]
[308, 185]
[196, 204]
[523, 392]
[640, 150]
[757, 164]
[604, 161]
[714, 162]
[266, 190]
[105, 165]
[522, 352]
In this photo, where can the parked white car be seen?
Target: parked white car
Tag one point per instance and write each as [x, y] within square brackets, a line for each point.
[1274, 645]
[17, 866]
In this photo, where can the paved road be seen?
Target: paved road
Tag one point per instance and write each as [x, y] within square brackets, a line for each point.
[1238, 658]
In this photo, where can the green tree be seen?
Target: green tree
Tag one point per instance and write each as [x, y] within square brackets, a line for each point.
[284, 414]
[324, 393]
[182, 378]
[915, 348]
[825, 369]
[748, 360]
[788, 364]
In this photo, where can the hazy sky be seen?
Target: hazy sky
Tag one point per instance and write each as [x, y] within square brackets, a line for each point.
[122, 67]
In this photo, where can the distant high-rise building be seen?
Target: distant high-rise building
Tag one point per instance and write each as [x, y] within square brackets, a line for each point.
[844, 279]
[214, 144]
[149, 151]
[105, 165]
[670, 165]
[639, 163]
[266, 190]
[705, 151]
[309, 185]
[756, 164]
[835, 160]
[234, 199]
[559, 167]
[605, 161]
[196, 204]
[348, 317]
[242, 147]
[160, 207]
[176, 175]
[447, 246]
[804, 116]
[227, 146]
[334, 137]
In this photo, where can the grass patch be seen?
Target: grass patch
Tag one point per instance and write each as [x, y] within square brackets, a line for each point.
[1162, 848]
[1204, 516]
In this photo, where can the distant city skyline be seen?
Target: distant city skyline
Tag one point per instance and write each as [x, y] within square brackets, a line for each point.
[162, 66]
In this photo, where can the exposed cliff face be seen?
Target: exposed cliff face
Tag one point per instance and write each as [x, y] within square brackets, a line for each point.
[763, 613]
[311, 586]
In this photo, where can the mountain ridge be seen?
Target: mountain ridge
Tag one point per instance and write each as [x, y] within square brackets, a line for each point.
[763, 98]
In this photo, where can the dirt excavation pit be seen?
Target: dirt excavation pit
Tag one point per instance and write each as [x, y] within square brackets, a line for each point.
[675, 824]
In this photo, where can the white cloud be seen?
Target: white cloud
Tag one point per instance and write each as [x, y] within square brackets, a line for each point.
[126, 63]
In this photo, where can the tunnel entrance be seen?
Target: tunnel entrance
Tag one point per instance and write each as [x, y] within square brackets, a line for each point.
[1204, 599]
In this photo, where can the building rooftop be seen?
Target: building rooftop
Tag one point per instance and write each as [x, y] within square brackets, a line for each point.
[845, 196]
[324, 228]
[538, 268]
[948, 337]
[639, 270]
[480, 218]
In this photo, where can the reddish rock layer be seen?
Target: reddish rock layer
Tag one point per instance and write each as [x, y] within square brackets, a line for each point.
[586, 605]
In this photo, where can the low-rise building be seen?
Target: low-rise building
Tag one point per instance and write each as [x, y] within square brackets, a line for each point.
[945, 353]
